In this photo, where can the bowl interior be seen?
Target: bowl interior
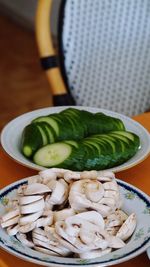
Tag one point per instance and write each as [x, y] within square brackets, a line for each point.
[134, 201]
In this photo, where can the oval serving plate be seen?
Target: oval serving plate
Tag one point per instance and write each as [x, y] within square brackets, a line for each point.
[134, 201]
[11, 136]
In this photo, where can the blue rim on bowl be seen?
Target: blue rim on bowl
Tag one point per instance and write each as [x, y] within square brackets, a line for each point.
[134, 201]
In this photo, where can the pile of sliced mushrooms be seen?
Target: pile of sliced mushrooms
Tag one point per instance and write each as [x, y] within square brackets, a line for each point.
[65, 213]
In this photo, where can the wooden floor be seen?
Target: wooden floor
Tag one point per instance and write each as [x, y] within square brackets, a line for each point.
[23, 84]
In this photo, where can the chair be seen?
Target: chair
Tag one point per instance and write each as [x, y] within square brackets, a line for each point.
[104, 53]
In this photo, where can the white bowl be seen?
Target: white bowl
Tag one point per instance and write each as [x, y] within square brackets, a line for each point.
[11, 136]
[134, 201]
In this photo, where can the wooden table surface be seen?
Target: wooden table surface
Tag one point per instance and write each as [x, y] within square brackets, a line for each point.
[139, 176]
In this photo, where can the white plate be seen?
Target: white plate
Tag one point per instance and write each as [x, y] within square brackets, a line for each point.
[134, 201]
[11, 136]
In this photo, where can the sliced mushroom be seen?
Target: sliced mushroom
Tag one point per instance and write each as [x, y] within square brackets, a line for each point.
[112, 194]
[115, 242]
[89, 175]
[102, 209]
[104, 176]
[70, 176]
[47, 175]
[53, 240]
[90, 216]
[59, 172]
[23, 200]
[34, 179]
[82, 233]
[23, 239]
[56, 249]
[13, 230]
[112, 220]
[33, 207]
[108, 201]
[128, 227]
[36, 188]
[111, 185]
[121, 215]
[9, 215]
[45, 220]
[27, 227]
[10, 222]
[94, 191]
[23, 220]
[63, 214]
[59, 191]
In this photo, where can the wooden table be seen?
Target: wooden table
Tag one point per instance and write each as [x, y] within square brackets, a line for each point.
[139, 176]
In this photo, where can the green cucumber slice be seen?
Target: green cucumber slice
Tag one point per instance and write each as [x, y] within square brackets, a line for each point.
[31, 140]
[44, 134]
[53, 123]
[53, 154]
[72, 143]
[129, 135]
[93, 145]
[50, 133]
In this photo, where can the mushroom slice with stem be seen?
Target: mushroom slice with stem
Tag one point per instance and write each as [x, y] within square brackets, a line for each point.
[108, 201]
[27, 227]
[43, 241]
[115, 242]
[63, 214]
[94, 191]
[82, 229]
[23, 220]
[59, 191]
[84, 194]
[90, 216]
[24, 240]
[46, 219]
[128, 227]
[53, 240]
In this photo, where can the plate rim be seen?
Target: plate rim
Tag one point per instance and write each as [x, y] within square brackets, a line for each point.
[34, 166]
[145, 245]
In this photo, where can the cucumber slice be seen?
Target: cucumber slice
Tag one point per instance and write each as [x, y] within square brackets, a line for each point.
[50, 133]
[31, 140]
[93, 145]
[129, 135]
[73, 116]
[50, 121]
[53, 154]
[44, 134]
[72, 143]
[107, 140]
[121, 137]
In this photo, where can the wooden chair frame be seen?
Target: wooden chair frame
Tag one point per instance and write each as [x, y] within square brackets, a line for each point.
[48, 56]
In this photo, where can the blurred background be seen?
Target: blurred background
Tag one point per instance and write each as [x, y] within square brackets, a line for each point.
[23, 84]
